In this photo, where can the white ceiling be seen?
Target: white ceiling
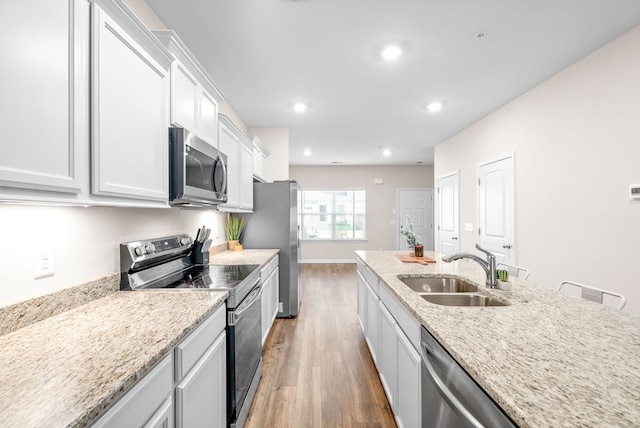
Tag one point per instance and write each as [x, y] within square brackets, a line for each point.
[267, 54]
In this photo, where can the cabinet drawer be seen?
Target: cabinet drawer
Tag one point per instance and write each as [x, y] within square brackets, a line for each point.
[143, 400]
[189, 351]
[406, 321]
[371, 278]
[270, 267]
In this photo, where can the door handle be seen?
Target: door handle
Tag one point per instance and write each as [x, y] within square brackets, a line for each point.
[454, 238]
[506, 246]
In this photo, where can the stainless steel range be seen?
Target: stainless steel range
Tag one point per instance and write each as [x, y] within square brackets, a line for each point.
[179, 262]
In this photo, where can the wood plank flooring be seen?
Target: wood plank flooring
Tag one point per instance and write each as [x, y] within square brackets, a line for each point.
[317, 370]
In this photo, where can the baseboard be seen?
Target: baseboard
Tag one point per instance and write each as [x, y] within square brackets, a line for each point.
[353, 261]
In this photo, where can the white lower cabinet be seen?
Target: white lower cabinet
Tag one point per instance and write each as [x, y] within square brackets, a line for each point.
[388, 360]
[270, 296]
[163, 418]
[362, 302]
[407, 405]
[372, 325]
[145, 402]
[201, 395]
[187, 389]
[393, 337]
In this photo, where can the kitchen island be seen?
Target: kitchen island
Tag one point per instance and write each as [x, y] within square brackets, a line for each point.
[65, 370]
[547, 359]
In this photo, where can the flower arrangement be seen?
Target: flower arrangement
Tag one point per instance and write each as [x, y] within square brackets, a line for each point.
[407, 231]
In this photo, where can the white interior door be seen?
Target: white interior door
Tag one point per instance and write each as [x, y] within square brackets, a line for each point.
[496, 223]
[448, 207]
[417, 204]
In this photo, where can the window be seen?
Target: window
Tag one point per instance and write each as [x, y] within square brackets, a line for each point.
[333, 214]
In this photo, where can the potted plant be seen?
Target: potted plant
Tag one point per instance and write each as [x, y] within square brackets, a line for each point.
[412, 239]
[234, 230]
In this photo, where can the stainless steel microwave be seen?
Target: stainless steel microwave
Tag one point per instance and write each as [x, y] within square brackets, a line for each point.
[197, 171]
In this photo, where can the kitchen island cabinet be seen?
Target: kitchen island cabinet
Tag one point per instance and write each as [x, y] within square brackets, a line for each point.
[395, 356]
[534, 357]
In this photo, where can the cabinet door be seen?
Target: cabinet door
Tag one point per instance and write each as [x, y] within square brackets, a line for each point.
[372, 327]
[387, 361]
[362, 302]
[184, 95]
[201, 398]
[229, 146]
[163, 418]
[144, 401]
[275, 293]
[246, 177]
[45, 93]
[208, 118]
[408, 402]
[266, 308]
[129, 115]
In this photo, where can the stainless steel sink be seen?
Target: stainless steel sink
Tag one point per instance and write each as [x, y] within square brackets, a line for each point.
[439, 285]
[462, 300]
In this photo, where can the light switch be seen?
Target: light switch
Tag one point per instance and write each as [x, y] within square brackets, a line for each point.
[468, 227]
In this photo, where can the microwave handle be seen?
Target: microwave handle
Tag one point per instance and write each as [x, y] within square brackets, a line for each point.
[220, 160]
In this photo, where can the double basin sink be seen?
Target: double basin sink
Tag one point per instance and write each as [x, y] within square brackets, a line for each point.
[449, 292]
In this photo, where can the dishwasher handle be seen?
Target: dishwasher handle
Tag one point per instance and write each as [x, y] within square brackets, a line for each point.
[446, 393]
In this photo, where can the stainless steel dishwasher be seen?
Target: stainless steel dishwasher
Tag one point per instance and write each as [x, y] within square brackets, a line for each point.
[450, 397]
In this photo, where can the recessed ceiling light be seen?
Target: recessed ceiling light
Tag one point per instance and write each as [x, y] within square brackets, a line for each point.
[307, 152]
[435, 106]
[391, 52]
[300, 107]
[387, 152]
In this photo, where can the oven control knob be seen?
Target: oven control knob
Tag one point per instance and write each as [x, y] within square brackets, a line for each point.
[185, 241]
[139, 251]
[150, 248]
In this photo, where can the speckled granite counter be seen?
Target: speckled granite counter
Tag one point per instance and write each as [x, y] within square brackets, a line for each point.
[244, 257]
[549, 360]
[65, 370]
[63, 367]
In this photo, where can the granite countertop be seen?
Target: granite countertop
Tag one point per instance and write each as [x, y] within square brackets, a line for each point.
[548, 359]
[244, 257]
[65, 369]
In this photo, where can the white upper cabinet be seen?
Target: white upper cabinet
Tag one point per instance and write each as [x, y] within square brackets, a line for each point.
[246, 175]
[130, 106]
[238, 149]
[194, 96]
[44, 101]
[260, 155]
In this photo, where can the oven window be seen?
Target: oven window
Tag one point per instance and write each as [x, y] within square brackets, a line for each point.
[199, 169]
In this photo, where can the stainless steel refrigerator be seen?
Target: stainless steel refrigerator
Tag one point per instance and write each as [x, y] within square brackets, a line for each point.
[274, 224]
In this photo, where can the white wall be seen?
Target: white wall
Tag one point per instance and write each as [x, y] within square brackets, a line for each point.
[276, 140]
[382, 228]
[84, 241]
[576, 139]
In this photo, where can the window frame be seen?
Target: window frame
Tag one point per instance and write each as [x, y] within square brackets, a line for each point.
[333, 214]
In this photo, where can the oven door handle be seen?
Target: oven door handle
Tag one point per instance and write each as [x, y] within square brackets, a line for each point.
[254, 296]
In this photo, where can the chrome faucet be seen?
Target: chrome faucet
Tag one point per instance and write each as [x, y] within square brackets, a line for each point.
[488, 265]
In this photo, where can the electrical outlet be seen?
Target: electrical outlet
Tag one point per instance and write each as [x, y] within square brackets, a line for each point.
[44, 263]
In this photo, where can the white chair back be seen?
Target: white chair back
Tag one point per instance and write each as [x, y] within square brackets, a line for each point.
[594, 294]
[517, 271]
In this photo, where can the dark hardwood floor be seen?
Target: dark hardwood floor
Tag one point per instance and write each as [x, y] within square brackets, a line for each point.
[317, 370]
